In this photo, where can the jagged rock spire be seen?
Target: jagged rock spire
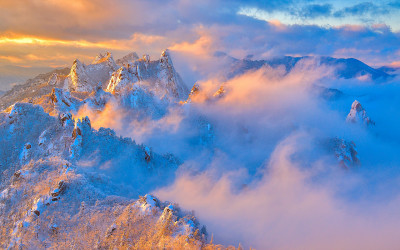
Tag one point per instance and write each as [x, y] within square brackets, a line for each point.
[358, 114]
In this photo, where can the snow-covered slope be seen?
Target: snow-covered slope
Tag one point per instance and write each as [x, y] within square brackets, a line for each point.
[60, 173]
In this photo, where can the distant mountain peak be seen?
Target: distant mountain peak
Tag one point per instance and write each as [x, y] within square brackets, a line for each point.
[346, 68]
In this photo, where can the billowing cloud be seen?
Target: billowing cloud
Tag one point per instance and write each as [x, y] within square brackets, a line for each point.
[271, 185]
[285, 209]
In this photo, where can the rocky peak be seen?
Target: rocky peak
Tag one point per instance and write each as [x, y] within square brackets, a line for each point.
[165, 57]
[146, 58]
[157, 76]
[358, 114]
[106, 58]
[78, 79]
[85, 78]
[128, 59]
[220, 92]
[123, 78]
[193, 92]
[169, 79]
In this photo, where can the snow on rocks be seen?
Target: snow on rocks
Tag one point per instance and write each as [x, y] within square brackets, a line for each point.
[199, 95]
[169, 79]
[146, 203]
[98, 99]
[4, 194]
[62, 100]
[66, 119]
[128, 59]
[171, 216]
[345, 152]
[39, 204]
[60, 188]
[26, 153]
[111, 229]
[53, 80]
[84, 78]
[124, 78]
[146, 58]
[82, 126]
[45, 180]
[157, 76]
[358, 115]
[193, 92]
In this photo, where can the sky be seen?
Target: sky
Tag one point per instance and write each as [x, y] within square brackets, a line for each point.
[37, 35]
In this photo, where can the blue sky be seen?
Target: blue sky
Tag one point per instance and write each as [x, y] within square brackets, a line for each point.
[331, 13]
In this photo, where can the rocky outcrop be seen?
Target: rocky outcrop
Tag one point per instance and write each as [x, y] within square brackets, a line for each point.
[85, 78]
[124, 78]
[157, 76]
[82, 126]
[54, 80]
[169, 78]
[128, 59]
[220, 92]
[358, 115]
[63, 101]
[98, 99]
[345, 152]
